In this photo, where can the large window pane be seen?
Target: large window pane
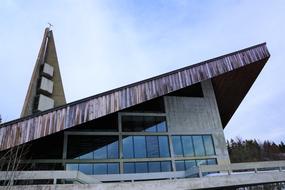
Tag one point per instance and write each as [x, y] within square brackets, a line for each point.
[144, 123]
[201, 162]
[139, 146]
[180, 166]
[141, 167]
[113, 168]
[87, 156]
[212, 161]
[72, 167]
[161, 126]
[100, 153]
[154, 167]
[89, 146]
[149, 124]
[163, 146]
[209, 146]
[100, 169]
[198, 146]
[152, 146]
[166, 166]
[128, 147]
[113, 150]
[86, 168]
[129, 168]
[177, 146]
[187, 145]
[189, 164]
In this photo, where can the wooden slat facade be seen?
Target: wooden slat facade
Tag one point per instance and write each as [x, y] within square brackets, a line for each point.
[51, 121]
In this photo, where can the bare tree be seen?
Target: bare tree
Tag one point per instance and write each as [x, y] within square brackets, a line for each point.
[10, 165]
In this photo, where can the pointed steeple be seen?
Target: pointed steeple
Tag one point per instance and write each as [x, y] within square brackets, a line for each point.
[45, 90]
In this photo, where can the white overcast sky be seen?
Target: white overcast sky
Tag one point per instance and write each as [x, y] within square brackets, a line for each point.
[103, 44]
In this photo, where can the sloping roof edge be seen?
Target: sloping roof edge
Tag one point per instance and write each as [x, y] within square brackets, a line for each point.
[51, 121]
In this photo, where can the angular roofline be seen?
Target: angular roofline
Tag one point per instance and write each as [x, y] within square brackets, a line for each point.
[226, 72]
[129, 85]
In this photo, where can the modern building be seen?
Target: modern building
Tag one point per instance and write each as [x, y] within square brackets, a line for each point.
[164, 132]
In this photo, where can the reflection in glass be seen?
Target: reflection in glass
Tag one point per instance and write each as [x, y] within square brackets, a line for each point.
[139, 146]
[154, 167]
[161, 127]
[177, 146]
[147, 167]
[189, 164]
[100, 153]
[209, 147]
[113, 168]
[152, 146]
[86, 169]
[87, 156]
[187, 145]
[92, 147]
[199, 147]
[166, 166]
[211, 161]
[144, 123]
[129, 167]
[141, 167]
[100, 168]
[145, 146]
[179, 165]
[128, 147]
[163, 146]
[113, 150]
[182, 165]
[201, 162]
[71, 166]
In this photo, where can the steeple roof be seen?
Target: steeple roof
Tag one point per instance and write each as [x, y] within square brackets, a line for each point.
[45, 90]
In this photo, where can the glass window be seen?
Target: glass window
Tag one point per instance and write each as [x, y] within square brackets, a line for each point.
[209, 146]
[100, 169]
[129, 167]
[128, 147]
[189, 164]
[161, 127]
[86, 168]
[139, 146]
[113, 150]
[154, 167]
[152, 146]
[177, 146]
[212, 161]
[180, 166]
[113, 168]
[163, 146]
[87, 156]
[141, 167]
[149, 124]
[144, 123]
[201, 162]
[100, 153]
[198, 145]
[90, 146]
[188, 149]
[72, 167]
[166, 166]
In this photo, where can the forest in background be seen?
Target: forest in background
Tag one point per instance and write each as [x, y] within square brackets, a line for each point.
[254, 150]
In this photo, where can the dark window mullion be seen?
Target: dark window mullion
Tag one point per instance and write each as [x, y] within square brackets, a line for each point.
[182, 146]
[204, 145]
[133, 143]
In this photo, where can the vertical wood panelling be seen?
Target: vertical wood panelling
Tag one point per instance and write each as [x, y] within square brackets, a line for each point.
[21, 131]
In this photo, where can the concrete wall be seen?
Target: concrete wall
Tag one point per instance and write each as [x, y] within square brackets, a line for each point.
[195, 115]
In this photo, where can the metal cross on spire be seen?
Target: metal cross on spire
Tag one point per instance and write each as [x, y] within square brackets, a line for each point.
[50, 25]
